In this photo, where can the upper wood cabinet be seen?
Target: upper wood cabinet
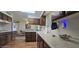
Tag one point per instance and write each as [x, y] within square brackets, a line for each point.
[9, 18]
[63, 14]
[1, 15]
[43, 20]
[34, 22]
[5, 17]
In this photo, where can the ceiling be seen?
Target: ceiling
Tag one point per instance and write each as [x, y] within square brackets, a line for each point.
[26, 15]
[20, 15]
[53, 13]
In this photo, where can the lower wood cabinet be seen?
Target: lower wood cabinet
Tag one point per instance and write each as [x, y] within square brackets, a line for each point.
[41, 43]
[4, 38]
[30, 36]
[13, 35]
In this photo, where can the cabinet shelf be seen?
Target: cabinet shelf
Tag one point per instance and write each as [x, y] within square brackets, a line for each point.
[6, 14]
[4, 18]
[4, 21]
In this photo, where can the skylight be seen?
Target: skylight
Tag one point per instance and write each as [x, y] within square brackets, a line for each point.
[29, 11]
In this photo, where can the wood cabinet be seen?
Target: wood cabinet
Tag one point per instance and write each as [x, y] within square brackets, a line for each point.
[34, 22]
[9, 19]
[4, 38]
[13, 35]
[5, 17]
[41, 43]
[30, 36]
[37, 21]
[63, 14]
[43, 20]
[1, 15]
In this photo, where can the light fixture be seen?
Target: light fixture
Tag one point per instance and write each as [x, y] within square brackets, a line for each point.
[27, 22]
[29, 11]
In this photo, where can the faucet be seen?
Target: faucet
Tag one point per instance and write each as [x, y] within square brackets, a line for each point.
[65, 36]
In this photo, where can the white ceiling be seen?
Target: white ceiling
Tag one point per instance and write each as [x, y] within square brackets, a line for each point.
[19, 15]
[53, 13]
[24, 15]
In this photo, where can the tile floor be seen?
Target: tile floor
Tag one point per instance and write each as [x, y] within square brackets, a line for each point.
[20, 43]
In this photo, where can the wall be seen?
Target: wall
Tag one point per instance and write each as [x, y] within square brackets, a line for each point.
[1, 26]
[35, 27]
[72, 28]
[20, 26]
[48, 22]
[5, 27]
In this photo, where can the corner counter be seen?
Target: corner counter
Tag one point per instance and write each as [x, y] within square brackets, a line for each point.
[57, 42]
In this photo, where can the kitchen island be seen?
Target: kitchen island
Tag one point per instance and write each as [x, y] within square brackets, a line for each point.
[30, 35]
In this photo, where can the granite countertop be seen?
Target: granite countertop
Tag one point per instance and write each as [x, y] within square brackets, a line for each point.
[4, 31]
[30, 30]
[57, 42]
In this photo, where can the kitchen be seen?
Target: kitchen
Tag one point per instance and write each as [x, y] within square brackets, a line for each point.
[39, 29]
[19, 26]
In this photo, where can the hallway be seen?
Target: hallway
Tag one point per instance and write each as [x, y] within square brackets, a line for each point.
[20, 43]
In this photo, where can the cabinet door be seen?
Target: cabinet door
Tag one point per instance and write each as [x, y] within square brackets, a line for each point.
[46, 45]
[39, 42]
[0, 40]
[0, 15]
[9, 19]
[34, 36]
[28, 39]
[9, 36]
[4, 17]
[3, 39]
[6, 38]
[30, 36]
[43, 21]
